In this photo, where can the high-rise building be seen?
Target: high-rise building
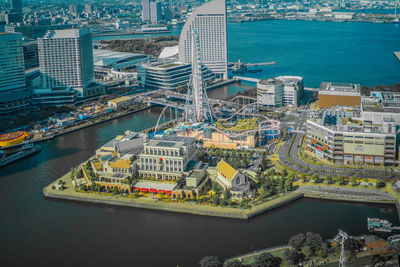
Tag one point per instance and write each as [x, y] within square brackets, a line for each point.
[168, 14]
[155, 12]
[14, 96]
[66, 60]
[210, 22]
[16, 6]
[145, 10]
[15, 14]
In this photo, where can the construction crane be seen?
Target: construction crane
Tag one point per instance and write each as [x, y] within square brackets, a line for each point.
[341, 238]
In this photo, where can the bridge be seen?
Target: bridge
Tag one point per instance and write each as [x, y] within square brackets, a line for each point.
[168, 103]
[247, 79]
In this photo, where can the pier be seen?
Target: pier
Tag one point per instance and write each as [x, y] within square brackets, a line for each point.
[247, 79]
[397, 54]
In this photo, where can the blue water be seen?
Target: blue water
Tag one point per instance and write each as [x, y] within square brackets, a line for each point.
[318, 51]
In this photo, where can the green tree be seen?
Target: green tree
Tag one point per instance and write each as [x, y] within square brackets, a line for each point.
[210, 261]
[340, 179]
[297, 241]
[328, 179]
[308, 251]
[288, 185]
[324, 249]
[380, 183]
[352, 245]
[315, 177]
[353, 180]
[225, 195]
[284, 172]
[293, 257]
[313, 240]
[266, 260]
[216, 199]
[304, 177]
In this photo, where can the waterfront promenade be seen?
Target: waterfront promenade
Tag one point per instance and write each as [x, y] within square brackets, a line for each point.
[171, 206]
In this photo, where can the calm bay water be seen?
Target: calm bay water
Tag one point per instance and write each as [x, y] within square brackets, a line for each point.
[317, 50]
[61, 233]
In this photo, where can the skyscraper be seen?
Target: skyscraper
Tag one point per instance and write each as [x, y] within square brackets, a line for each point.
[66, 59]
[13, 94]
[16, 6]
[15, 14]
[210, 22]
[145, 10]
[155, 12]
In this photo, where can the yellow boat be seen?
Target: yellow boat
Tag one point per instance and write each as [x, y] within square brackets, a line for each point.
[13, 138]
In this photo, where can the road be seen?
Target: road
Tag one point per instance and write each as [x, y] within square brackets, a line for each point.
[289, 155]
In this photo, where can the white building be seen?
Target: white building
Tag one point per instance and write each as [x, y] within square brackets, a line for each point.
[269, 92]
[166, 158]
[381, 107]
[155, 12]
[293, 89]
[66, 60]
[13, 94]
[145, 10]
[280, 91]
[210, 22]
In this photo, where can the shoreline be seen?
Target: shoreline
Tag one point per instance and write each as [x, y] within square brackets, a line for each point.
[86, 125]
[190, 208]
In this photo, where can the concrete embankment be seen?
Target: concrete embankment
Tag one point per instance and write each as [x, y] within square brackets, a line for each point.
[80, 127]
[179, 207]
[368, 196]
[350, 195]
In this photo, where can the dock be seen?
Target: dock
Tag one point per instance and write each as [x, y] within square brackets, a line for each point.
[397, 54]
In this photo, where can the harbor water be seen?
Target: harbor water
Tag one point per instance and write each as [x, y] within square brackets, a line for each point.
[62, 233]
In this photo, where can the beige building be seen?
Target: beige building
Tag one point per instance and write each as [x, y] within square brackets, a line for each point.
[235, 181]
[339, 94]
[166, 158]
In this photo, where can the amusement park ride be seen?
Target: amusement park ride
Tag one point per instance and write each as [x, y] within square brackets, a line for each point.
[238, 123]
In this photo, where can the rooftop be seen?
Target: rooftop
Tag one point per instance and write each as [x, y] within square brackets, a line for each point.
[343, 87]
[105, 58]
[67, 33]
[227, 170]
[271, 81]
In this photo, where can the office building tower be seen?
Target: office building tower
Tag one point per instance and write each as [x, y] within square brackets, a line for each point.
[66, 60]
[145, 10]
[14, 96]
[73, 9]
[31, 54]
[16, 6]
[168, 14]
[210, 22]
[155, 12]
